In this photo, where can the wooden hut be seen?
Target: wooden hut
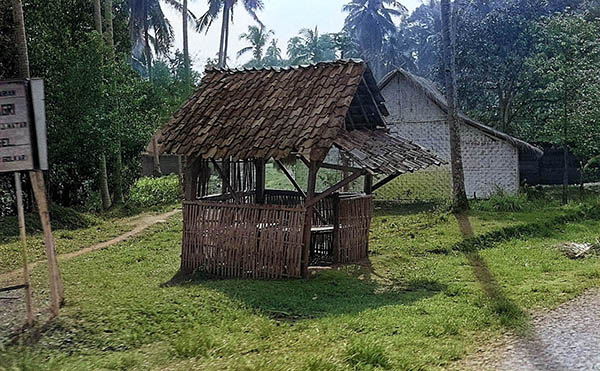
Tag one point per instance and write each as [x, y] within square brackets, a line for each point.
[239, 119]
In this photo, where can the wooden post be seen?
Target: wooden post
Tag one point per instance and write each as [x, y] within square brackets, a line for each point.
[259, 164]
[56, 285]
[368, 184]
[313, 168]
[190, 178]
[336, 228]
[22, 233]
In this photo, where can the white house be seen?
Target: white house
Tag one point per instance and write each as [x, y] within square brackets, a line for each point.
[418, 113]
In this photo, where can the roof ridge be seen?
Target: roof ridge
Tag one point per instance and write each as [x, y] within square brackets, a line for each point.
[285, 68]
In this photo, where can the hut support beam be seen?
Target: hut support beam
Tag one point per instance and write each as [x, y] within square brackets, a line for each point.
[368, 187]
[297, 186]
[313, 200]
[313, 168]
[225, 180]
[291, 178]
[259, 165]
[190, 178]
[384, 181]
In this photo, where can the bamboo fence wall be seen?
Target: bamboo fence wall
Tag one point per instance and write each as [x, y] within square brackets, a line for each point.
[354, 223]
[242, 241]
[236, 240]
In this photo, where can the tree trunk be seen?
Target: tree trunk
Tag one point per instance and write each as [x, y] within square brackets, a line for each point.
[565, 197]
[21, 39]
[186, 50]
[109, 35]
[458, 177]
[156, 171]
[226, 42]
[103, 175]
[98, 16]
[119, 198]
[224, 35]
[108, 19]
[103, 179]
[147, 51]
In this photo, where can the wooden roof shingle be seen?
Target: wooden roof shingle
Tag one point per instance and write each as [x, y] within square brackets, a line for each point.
[266, 113]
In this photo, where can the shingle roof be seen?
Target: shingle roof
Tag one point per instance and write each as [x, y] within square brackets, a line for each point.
[270, 112]
[380, 153]
[438, 98]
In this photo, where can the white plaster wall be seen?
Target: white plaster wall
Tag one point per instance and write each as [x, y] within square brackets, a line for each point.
[489, 163]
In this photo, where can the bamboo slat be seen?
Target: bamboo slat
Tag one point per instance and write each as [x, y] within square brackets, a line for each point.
[242, 240]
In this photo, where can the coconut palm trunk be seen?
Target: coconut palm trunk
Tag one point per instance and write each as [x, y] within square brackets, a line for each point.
[224, 34]
[109, 35]
[103, 175]
[186, 50]
[147, 50]
[458, 178]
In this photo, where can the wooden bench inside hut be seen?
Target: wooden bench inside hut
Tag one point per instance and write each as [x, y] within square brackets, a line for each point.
[237, 121]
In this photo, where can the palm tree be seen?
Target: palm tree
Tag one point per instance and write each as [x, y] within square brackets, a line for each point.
[310, 47]
[273, 55]
[147, 15]
[370, 22]
[225, 7]
[258, 37]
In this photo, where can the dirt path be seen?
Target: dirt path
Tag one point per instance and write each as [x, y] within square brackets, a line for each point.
[566, 338]
[141, 225]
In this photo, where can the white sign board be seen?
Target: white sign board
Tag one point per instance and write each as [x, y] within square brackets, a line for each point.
[22, 144]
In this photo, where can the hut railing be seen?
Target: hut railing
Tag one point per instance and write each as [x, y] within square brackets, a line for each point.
[242, 240]
[352, 242]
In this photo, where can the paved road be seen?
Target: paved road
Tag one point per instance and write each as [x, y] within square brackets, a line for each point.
[566, 338]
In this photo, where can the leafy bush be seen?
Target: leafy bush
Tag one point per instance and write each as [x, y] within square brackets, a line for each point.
[60, 217]
[501, 201]
[147, 192]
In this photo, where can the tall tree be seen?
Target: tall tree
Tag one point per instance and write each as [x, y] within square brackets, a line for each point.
[225, 9]
[311, 47]
[273, 55]
[147, 16]
[566, 87]
[257, 37]
[103, 170]
[370, 22]
[458, 177]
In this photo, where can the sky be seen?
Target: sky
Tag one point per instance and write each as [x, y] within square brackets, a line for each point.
[284, 17]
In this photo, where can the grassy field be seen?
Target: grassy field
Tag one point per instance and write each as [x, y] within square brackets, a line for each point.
[72, 231]
[425, 299]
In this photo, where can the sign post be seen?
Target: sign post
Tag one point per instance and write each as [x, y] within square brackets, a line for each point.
[23, 148]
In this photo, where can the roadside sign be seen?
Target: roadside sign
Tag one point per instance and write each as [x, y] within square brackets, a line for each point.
[22, 126]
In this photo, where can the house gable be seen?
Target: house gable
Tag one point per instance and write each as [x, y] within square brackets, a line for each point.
[409, 103]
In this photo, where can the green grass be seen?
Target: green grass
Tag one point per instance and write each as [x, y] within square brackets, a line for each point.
[421, 303]
[72, 231]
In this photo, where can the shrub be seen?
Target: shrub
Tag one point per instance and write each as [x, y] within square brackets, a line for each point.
[147, 192]
[501, 201]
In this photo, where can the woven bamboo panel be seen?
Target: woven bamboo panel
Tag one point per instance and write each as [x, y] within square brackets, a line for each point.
[242, 241]
[355, 220]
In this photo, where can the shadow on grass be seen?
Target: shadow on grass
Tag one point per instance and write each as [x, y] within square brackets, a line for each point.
[327, 293]
[390, 208]
[509, 313]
